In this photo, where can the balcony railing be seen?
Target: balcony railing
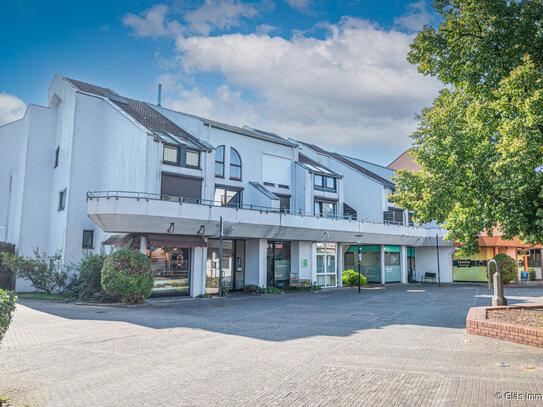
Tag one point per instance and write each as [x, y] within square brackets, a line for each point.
[198, 201]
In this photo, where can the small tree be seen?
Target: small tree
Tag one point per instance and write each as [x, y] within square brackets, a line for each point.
[350, 278]
[128, 273]
[7, 306]
[44, 272]
[6, 275]
[508, 267]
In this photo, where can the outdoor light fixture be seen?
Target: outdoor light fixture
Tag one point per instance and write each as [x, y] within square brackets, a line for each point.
[202, 230]
[359, 240]
[171, 229]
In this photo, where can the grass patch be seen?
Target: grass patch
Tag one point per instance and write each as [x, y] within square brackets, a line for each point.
[302, 288]
[43, 296]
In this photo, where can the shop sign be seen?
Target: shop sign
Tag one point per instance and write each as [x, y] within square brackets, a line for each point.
[463, 263]
[305, 263]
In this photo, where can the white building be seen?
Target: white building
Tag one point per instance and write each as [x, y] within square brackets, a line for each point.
[94, 168]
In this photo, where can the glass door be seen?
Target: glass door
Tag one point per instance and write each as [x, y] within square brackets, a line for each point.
[326, 264]
[278, 264]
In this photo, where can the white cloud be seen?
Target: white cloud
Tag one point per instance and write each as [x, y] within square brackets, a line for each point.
[300, 5]
[151, 22]
[219, 14]
[210, 16]
[353, 87]
[416, 17]
[11, 108]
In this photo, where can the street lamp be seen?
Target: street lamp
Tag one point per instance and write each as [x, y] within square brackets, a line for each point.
[359, 240]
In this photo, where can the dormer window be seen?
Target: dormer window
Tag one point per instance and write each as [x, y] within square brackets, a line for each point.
[324, 182]
[171, 154]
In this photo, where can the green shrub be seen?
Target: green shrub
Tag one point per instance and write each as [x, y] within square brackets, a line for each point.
[508, 267]
[44, 272]
[7, 280]
[532, 273]
[312, 287]
[271, 290]
[128, 273]
[7, 306]
[350, 278]
[224, 291]
[86, 283]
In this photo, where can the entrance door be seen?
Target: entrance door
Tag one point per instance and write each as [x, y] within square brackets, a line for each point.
[278, 264]
[326, 264]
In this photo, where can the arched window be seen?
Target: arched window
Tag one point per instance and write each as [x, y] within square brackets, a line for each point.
[235, 164]
[219, 161]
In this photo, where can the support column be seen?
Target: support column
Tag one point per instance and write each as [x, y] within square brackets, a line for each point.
[198, 271]
[403, 264]
[143, 244]
[339, 265]
[256, 257]
[382, 261]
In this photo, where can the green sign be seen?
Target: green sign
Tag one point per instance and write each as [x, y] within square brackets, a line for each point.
[305, 263]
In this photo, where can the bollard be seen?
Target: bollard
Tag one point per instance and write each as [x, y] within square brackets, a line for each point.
[498, 298]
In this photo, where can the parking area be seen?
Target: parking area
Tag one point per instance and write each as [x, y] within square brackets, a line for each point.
[399, 345]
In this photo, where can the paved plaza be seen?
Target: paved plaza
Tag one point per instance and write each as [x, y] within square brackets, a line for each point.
[403, 345]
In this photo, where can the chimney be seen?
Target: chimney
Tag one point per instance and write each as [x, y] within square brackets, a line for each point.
[159, 93]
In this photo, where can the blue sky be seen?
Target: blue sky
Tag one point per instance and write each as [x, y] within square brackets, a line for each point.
[329, 72]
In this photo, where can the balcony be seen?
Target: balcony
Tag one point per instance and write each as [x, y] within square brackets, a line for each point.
[136, 212]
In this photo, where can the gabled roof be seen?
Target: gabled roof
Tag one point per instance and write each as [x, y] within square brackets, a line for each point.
[350, 164]
[139, 111]
[405, 162]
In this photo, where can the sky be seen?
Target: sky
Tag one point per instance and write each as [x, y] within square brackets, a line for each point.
[332, 73]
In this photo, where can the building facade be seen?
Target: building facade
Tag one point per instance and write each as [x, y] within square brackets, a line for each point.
[94, 169]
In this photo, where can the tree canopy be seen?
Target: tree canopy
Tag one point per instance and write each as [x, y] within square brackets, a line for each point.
[480, 144]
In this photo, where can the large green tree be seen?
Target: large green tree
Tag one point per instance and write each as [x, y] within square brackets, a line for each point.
[480, 143]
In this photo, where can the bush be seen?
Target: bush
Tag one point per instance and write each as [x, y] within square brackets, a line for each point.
[86, 284]
[251, 289]
[350, 278]
[6, 275]
[271, 290]
[44, 272]
[7, 306]
[312, 287]
[533, 276]
[128, 273]
[508, 267]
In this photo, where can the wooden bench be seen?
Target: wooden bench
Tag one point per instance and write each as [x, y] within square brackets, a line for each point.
[428, 276]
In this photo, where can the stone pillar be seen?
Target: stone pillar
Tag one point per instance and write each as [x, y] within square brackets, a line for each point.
[143, 244]
[498, 298]
[382, 261]
[403, 264]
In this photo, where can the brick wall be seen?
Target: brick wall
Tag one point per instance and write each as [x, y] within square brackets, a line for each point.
[478, 324]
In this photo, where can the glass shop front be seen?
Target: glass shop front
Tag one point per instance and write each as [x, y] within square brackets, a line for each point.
[233, 265]
[171, 266]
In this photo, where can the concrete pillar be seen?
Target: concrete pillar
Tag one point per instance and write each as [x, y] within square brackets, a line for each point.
[198, 271]
[256, 256]
[403, 264]
[382, 261]
[143, 244]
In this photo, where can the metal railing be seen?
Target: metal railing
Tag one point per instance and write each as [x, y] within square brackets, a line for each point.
[207, 202]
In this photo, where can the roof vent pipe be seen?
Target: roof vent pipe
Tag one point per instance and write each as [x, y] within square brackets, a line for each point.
[159, 93]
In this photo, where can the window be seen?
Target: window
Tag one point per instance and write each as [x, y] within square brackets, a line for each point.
[171, 155]
[186, 187]
[235, 165]
[88, 239]
[227, 197]
[62, 200]
[325, 182]
[325, 209]
[57, 153]
[284, 203]
[192, 159]
[219, 161]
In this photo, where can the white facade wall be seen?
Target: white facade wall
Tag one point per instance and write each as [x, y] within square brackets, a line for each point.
[102, 148]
